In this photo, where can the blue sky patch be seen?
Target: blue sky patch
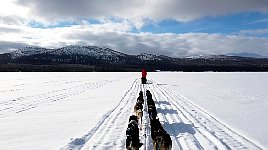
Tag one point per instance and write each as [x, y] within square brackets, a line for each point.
[230, 24]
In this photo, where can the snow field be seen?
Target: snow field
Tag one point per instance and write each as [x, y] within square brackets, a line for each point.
[237, 100]
[194, 128]
[53, 124]
[91, 110]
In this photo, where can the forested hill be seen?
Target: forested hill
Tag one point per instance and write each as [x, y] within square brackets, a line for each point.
[94, 58]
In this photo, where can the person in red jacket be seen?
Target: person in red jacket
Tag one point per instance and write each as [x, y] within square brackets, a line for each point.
[143, 76]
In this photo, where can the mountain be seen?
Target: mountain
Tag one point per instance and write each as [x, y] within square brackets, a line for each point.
[245, 54]
[95, 58]
[94, 51]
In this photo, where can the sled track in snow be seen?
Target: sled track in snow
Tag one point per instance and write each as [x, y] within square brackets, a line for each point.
[110, 132]
[189, 126]
[24, 103]
[145, 134]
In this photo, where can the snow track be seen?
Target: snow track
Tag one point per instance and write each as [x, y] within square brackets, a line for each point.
[145, 134]
[74, 111]
[23, 103]
[110, 132]
[189, 126]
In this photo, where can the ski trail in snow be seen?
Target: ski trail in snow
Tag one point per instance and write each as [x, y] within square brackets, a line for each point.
[191, 127]
[110, 132]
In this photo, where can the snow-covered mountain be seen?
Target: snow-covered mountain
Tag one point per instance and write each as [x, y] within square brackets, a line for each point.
[27, 51]
[245, 54]
[145, 56]
[103, 52]
[68, 50]
[211, 57]
[104, 57]
[87, 50]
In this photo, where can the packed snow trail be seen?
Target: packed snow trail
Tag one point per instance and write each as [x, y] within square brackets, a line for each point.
[189, 126]
[110, 132]
[145, 133]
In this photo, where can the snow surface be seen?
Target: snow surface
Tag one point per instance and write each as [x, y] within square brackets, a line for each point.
[91, 110]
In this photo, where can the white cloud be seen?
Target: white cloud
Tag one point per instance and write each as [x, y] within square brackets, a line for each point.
[259, 21]
[133, 43]
[16, 14]
[9, 8]
[7, 46]
[137, 10]
[11, 13]
[256, 32]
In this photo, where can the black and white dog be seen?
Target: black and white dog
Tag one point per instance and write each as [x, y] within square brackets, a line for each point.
[132, 133]
[161, 139]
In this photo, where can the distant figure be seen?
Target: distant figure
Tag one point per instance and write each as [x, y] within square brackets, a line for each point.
[143, 76]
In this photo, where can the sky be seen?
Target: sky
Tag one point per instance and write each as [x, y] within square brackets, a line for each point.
[164, 27]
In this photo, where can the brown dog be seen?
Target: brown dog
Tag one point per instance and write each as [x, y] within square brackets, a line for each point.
[138, 111]
[162, 142]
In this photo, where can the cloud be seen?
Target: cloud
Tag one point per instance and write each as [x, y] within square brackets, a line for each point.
[11, 20]
[7, 46]
[11, 13]
[259, 21]
[137, 10]
[118, 19]
[4, 29]
[256, 32]
[170, 44]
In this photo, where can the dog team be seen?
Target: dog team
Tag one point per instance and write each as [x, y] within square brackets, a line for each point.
[132, 141]
[161, 139]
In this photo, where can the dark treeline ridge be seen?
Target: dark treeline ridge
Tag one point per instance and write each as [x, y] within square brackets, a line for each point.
[60, 68]
[89, 68]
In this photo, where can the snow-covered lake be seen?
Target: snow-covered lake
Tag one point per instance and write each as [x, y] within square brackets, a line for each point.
[90, 110]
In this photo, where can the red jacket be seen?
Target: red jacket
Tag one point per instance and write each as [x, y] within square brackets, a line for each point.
[143, 73]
